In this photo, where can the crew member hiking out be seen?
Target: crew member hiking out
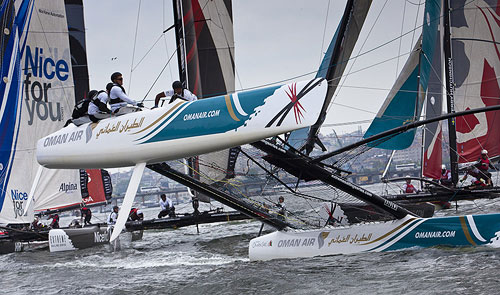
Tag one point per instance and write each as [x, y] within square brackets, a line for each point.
[167, 207]
[483, 164]
[176, 92]
[98, 108]
[281, 208]
[119, 100]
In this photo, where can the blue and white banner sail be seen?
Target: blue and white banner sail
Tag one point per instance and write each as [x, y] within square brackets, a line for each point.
[37, 97]
[405, 100]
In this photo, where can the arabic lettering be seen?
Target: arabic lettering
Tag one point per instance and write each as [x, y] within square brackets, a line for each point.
[119, 127]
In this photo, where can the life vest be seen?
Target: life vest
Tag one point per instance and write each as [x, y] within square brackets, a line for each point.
[81, 109]
[133, 212]
[86, 211]
[116, 100]
[409, 188]
[444, 176]
[484, 164]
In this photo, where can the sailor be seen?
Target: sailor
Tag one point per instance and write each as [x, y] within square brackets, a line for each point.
[55, 220]
[281, 208]
[119, 100]
[167, 207]
[408, 187]
[475, 175]
[80, 112]
[98, 108]
[177, 91]
[483, 164]
[86, 214]
[113, 216]
[135, 214]
[445, 176]
[36, 225]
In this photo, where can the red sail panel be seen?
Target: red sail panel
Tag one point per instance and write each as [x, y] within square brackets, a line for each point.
[95, 187]
[433, 157]
[476, 62]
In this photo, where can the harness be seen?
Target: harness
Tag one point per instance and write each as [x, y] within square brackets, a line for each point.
[116, 100]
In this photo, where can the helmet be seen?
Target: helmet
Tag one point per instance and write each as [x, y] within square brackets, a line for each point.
[109, 86]
[91, 94]
[484, 152]
[115, 207]
[115, 75]
[177, 84]
[443, 166]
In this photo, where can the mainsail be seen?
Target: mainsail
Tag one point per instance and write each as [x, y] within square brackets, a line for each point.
[204, 31]
[433, 133]
[475, 30]
[405, 100]
[333, 66]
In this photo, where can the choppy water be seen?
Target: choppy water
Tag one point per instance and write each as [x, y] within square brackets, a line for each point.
[216, 262]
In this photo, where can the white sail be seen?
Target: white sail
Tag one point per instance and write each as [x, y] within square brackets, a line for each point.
[45, 100]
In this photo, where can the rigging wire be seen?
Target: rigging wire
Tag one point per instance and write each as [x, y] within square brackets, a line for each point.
[159, 75]
[324, 33]
[135, 42]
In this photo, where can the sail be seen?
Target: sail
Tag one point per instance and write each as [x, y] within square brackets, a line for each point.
[76, 28]
[333, 65]
[433, 152]
[37, 97]
[405, 100]
[206, 44]
[475, 29]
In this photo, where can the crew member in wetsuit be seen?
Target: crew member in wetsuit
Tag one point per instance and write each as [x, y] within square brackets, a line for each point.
[98, 108]
[86, 215]
[177, 91]
[475, 175]
[483, 164]
[446, 177]
[135, 214]
[408, 188]
[113, 216]
[167, 207]
[118, 99]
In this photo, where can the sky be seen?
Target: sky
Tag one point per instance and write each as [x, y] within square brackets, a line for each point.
[275, 40]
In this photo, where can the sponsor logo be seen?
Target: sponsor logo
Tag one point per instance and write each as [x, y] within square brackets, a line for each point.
[68, 187]
[321, 238]
[435, 234]
[62, 138]
[51, 13]
[101, 238]
[307, 242]
[201, 115]
[18, 199]
[36, 65]
[88, 200]
[261, 244]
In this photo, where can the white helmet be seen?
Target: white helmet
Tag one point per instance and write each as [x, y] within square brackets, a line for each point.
[443, 166]
[484, 152]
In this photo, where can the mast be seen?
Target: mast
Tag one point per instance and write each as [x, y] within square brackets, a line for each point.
[450, 88]
[179, 41]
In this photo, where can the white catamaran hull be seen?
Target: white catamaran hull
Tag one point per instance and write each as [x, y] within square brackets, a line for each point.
[184, 128]
[470, 230]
